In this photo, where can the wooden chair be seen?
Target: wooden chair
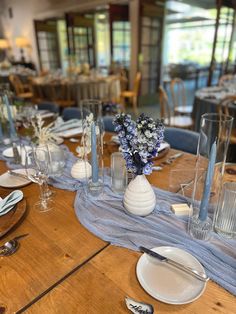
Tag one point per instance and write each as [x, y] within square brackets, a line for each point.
[21, 90]
[132, 95]
[178, 94]
[223, 108]
[184, 122]
[225, 78]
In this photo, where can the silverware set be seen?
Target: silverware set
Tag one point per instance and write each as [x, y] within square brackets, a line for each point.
[11, 246]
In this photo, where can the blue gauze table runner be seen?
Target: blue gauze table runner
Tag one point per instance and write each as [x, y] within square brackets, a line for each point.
[105, 217]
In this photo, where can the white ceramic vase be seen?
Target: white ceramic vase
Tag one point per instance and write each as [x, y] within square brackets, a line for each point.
[81, 170]
[139, 198]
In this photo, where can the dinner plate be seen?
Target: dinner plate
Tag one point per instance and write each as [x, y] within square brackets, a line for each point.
[9, 181]
[167, 283]
[9, 151]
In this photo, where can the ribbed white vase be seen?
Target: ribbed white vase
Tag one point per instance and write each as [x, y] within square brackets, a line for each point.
[81, 170]
[139, 198]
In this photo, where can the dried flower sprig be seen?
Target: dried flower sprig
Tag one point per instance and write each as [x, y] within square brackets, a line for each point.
[43, 134]
[139, 141]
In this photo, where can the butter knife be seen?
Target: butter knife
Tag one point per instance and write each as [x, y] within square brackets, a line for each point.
[17, 174]
[199, 275]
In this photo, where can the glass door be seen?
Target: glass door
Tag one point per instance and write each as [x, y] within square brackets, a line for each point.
[81, 39]
[120, 35]
[47, 44]
[151, 28]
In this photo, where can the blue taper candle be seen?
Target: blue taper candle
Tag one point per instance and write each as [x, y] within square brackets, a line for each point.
[208, 182]
[94, 153]
[12, 126]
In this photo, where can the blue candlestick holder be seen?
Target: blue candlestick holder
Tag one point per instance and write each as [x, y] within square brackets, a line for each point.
[92, 139]
[213, 143]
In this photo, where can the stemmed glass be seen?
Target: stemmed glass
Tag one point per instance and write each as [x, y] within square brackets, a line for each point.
[37, 169]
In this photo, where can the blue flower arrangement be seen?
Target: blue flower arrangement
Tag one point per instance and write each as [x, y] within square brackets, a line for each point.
[139, 141]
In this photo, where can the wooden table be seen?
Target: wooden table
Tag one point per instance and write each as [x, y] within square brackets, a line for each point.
[62, 268]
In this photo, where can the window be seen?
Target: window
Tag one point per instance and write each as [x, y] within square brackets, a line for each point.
[47, 41]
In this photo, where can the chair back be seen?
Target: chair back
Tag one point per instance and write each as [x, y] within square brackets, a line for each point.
[223, 107]
[178, 93]
[137, 83]
[48, 106]
[164, 104]
[181, 139]
[123, 80]
[17, 84]
[225, 78]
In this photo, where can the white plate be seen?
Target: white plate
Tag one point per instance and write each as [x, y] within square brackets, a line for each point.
[70, 132]
[166, 283]
[10, 181]
[9, 151]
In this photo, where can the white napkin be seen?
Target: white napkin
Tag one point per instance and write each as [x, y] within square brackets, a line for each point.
[70, 124]
[10, 201]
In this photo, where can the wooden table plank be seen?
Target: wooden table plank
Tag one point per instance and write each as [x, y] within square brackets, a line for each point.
[102, 284]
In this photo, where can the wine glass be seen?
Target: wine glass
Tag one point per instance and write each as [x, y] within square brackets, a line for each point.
[56, 162]
[37, 169]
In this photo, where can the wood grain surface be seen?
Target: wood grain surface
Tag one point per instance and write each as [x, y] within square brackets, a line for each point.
[101, 285]
[62, 268]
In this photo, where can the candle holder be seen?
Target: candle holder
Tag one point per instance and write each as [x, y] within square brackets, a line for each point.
[92, 141]
[215, 130]
[7, 130]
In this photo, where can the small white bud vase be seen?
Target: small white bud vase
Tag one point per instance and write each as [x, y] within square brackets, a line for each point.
[81, 170]
[139, 198]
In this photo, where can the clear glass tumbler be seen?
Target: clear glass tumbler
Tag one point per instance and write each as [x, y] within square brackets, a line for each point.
[225, 218]
[118, 173]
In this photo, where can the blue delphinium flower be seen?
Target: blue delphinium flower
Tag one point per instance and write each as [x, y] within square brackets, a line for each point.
[139, 141]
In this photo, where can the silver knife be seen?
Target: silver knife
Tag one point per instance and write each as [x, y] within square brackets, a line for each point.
[16, 174]
[188, 270]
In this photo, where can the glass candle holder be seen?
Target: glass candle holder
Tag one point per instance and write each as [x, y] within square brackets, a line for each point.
[8, 130]
[92, 141]
[225, 218]
[119, 176]
[215, 130]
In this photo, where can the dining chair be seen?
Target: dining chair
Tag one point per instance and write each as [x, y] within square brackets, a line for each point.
[21, 90]
[181, 139]
[225, 78]
[50, 106]
[179, 121]
[178, 94]
[73, 113]
[108, 123]
[223, 108]
[132, 95]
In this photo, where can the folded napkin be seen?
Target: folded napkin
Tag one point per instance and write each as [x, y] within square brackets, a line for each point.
[10, 201]
[63, 126]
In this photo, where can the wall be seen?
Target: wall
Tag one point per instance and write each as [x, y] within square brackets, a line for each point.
[21, 24]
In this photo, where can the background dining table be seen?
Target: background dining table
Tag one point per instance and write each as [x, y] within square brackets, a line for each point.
[61, 267]
[77, 88]
[207, 100]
